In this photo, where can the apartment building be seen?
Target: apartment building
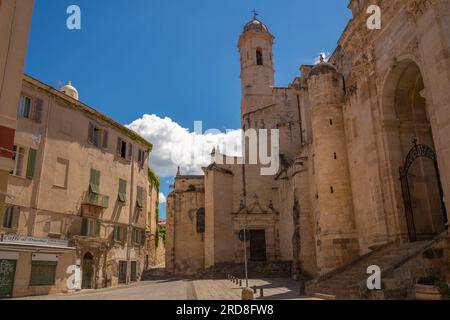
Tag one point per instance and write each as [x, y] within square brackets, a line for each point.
[80, 198]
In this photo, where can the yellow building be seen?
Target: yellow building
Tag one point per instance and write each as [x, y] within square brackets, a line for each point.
[80, 196]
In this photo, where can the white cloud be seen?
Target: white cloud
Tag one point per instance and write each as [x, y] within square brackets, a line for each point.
[324, 55]
[177, 146]
[162, 198]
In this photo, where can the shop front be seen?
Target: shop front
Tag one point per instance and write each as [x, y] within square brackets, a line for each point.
[34, 266]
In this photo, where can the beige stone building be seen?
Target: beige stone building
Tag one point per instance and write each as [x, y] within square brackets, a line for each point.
[364, 155]
[80, 196]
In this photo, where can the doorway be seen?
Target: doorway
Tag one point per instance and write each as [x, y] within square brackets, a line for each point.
[420, 174]
[7, 273]
[122, 272]
[410, 147]
[258, 245]
[133, 276]
[88, 271]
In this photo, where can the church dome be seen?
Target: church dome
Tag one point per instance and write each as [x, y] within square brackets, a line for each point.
[70, 90]
[321, 68]
[256, 25]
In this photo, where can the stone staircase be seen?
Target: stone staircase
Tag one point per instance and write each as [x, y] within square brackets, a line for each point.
[396, 261]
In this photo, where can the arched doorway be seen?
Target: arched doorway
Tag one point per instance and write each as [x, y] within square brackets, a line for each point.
[418, 189]
[420, 164]
[88, 271]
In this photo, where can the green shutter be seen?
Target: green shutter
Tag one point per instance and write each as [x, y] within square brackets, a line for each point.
[84, 227]
[139, 200]
[43, 273]
[97, 228]
[122, 191]
[15, 217]
[94, 183]
[6, 217]
[31, 167]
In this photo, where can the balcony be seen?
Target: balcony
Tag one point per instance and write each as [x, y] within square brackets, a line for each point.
[96, 200]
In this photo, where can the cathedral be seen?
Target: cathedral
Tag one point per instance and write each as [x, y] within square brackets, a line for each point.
[364, 155]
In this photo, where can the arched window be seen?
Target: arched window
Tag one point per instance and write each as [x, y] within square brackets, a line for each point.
[201, 220]
[259, 57]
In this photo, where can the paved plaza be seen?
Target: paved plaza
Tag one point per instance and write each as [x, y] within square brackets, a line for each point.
[184, 289]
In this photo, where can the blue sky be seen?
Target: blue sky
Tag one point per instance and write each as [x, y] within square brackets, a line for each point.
[172, 58]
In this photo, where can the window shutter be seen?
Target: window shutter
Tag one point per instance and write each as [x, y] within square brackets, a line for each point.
[31, 167]
[97, 178]
[133, 235]
[97, 229]
[20, 109]
[130, 151]
[94, 183]
[37, 110]
[91, 138]
[15, 217]
[122, 191]
[92, 179]
[105, 139]
[139, 196]
[142, 237]
[6, 215]
[119, 147]
[84, 227]
[125, 234]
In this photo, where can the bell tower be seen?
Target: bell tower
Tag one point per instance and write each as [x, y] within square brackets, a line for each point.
[257, 71]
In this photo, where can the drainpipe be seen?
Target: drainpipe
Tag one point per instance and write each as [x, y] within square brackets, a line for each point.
[130, 223]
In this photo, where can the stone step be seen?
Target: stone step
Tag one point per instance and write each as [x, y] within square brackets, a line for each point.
[324, 296]
[345, 284]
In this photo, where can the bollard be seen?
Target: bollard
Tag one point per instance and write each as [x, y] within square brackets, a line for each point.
[247, 294]
[261, 292]
[255, 290]
[240, 283]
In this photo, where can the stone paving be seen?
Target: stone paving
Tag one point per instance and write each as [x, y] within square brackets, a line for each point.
[178, 289]
[273, 289]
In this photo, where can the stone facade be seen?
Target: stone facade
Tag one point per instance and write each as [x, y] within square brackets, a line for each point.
[81, 195]
[364, 150]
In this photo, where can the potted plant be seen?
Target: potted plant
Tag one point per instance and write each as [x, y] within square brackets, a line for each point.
[432, 288]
